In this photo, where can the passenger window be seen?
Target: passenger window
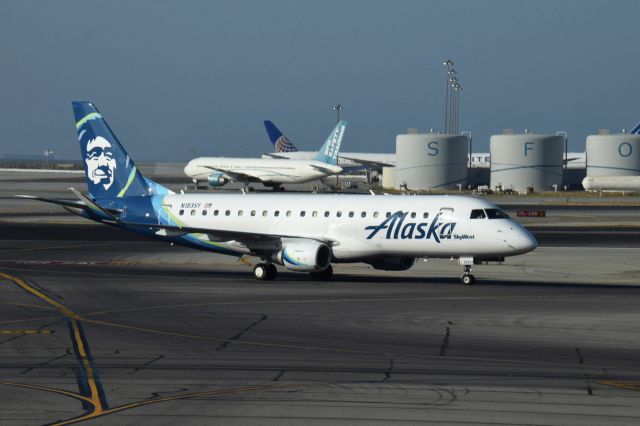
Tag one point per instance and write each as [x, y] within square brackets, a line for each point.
[215, 212]
[425, 215]
[350, 214]
[477, 214]
[193, 212]
[227, 213]
[288, 213]
[302, 213]
[264, 213]
[253, 212]
[338, 214]
[326, 214]
[496, 214]
[363, 214]
[388, 215]
[413, 215]
[315, 213]
[375, 215]
[204, 212]
[276, 213]
[181, 212]
[239, 212]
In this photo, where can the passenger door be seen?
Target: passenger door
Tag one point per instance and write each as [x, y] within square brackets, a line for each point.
[445, 219]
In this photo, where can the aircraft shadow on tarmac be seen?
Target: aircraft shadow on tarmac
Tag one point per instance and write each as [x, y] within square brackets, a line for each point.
[288, 278]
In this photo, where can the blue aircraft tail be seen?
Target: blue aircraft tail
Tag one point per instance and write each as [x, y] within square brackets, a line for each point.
[109, 170]
[279, 141]
[328, 153]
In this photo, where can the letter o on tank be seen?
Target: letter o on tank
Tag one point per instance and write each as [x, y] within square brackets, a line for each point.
[625, 149]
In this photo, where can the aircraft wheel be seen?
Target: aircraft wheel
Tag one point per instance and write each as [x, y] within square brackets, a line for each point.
[323, 275]
[468, 279]
[261, 272]
[272, 271]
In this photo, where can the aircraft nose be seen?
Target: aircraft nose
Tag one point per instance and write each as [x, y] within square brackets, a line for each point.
[525, 241]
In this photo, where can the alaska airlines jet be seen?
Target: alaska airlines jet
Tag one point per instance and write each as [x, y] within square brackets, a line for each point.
[217, 171]
[304, 233]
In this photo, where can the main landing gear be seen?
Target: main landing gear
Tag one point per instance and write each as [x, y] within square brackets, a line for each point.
[324, 275]
[265, 271]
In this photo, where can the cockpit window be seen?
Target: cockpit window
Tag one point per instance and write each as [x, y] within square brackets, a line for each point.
[478, 214]
[496, 214]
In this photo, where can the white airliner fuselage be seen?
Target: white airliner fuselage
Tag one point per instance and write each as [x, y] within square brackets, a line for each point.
[270, 171]
[385, 231]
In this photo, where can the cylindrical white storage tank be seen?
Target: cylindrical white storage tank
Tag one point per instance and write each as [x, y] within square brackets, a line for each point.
[523, 162]
[613, 155]
[388, 177]
[431, 161]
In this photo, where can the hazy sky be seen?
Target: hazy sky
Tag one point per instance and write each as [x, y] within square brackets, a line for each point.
[177, 77]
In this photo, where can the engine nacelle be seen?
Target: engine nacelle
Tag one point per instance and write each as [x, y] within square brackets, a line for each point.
[217, 179]
[393, 263]
[304, 256]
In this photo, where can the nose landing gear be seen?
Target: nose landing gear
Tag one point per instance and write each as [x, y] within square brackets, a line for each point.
[467, 278]
[467, 267]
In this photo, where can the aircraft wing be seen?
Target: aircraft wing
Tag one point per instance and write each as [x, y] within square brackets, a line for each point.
[232, 175]
[323, 169]
[224, 234]
[367, 163]
[276, 156]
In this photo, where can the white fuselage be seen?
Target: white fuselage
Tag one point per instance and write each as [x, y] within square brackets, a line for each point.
[357, 226]
[612, 183]
[276, 171]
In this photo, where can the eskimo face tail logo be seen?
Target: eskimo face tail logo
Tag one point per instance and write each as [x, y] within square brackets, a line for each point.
[101, 164]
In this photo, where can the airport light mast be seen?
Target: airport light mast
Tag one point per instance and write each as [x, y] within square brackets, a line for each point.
[449, 64]
[337, 108]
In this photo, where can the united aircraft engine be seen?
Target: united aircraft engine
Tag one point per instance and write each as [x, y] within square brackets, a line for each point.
[300, 256]
[217, 179]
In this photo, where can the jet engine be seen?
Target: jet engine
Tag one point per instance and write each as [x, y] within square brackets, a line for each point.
[393, 263]
[217, 179]
[304, 256]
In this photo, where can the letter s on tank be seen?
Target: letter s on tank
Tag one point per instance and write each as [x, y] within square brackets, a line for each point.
[432, 148]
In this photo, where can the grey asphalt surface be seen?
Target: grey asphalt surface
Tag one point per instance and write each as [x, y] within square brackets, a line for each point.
[128, 331]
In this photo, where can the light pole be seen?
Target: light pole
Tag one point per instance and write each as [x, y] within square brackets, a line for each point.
[337, 108]
[452, 82]
[449, 64]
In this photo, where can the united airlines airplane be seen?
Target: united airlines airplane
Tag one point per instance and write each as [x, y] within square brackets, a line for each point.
[217, 171]
[305, 233]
